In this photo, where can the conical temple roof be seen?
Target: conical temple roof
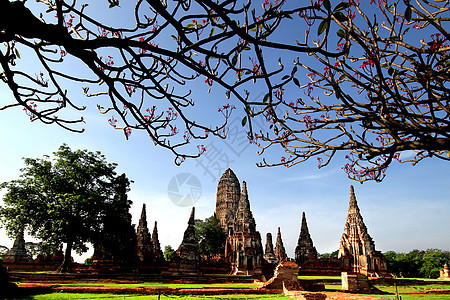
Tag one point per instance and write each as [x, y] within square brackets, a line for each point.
[189, 233]
[244, 218]
[155, 230]
[228, 175]
[18, 252]
[305, 250]
[143, 219]
[159, 256]
[244, 203]
[304, 231]
[269, 245]
[280, 252]
[355, 234]
[353, 205]
[269, 253]
[192, 217]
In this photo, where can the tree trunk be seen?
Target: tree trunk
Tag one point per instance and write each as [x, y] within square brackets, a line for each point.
[66, 266]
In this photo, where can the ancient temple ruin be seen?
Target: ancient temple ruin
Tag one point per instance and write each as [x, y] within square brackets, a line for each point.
[115, 248]
[158, 255]
[144, 240]
[120, 247]
[357, 249]
[18, 253]
[280, 252]
[227, 199]
[148, 246]
[243, 248]
[18, 258]
[186, 259]
[269, 254]
[305, 251]
[444, 273]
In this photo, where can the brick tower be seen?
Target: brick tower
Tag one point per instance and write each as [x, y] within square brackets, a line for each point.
[305, 250]
[357, 249]
[228, 195]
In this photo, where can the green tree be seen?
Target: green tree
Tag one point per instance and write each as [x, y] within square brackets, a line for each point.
[369, 80]
[333, 254]
[210, 237]
[60, 200]
[433, 261]
[417, 263]
[168, 253]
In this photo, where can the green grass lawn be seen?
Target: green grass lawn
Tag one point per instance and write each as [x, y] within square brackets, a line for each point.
[161, 284]
[333, 286]
[427, 297]
[415, 297]
[424, 279]
[387, 289]
[414, 288]
[74, 296]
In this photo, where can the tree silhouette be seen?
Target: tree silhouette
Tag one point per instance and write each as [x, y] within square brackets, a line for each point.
[369, 79]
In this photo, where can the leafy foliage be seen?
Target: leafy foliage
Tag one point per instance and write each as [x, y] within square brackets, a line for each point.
[34, 249]
[210, 237]
[60, 200]
[168, 253]
[369, 80]
[417, 263]
[333, 254]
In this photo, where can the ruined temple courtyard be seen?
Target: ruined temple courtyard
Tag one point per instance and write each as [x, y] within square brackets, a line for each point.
[130, 261]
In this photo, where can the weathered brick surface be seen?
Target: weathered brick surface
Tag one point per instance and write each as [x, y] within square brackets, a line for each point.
[305, 252]
[285, 271]
[444, 274]
[280, 252]
[357, 248]
[269, 254]
[186, 260]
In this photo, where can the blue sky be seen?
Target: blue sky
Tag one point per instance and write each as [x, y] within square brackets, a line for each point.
[408, 210]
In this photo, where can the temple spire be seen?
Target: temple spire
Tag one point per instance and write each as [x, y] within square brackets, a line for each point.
[244, 219]
[144, 239]
[192, 217]
[186, 259]
[305, 250]
[244, 188]
[353, 205]
[357, 249]
[269, 245]
[280, 252]
[155, 231]
[189, 233]
[244, 203]
[155, 239]
[269, 254]
[143, 219]
[157, 252]
[304, 228]
[18, 252]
